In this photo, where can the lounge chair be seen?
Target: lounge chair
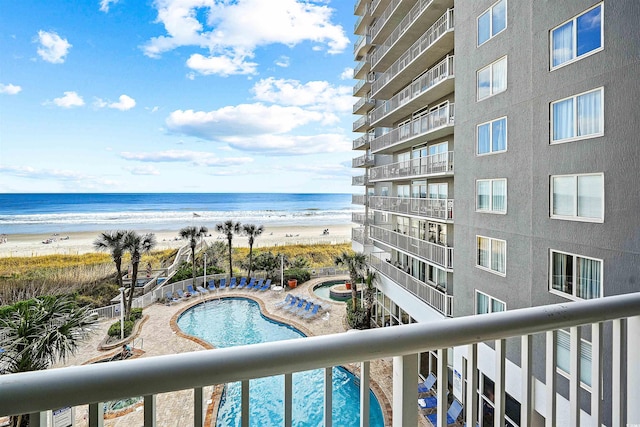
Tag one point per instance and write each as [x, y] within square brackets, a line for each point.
[202, 290]
[242, 283]
[171, 298]
[251, 283]
[314, 312]
[427, 385]
[192, 291]
[181, 294]
[266, 286]
[285, 301]
[232, 283]
[211, 285]
[292, 304]
[296, 305]
[452, 414]
[256, 284]
[301, 311]
[428, 402]
[223, 283]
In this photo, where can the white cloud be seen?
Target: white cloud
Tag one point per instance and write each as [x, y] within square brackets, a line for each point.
[318, 95]
[105, 4]
[283, 61]
[143, 170]
[291, 144]
[347, 74]
[53, 48]
[199, 158]
[233, 30]
[124, 103]
[30, 172]
[243, 119]
[69, 100]
[10, 89]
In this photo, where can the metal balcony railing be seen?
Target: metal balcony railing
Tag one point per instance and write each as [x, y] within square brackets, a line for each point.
[358, 86]
[361, 142]
[358, 199]
[439, 209]
[434, 164]
[419, 126]
[377, 26]
[360, 43]
[434, 253]
[438, 73]
[359, 180]
[365, 160]
[362, 121]
[361, 218]
[37, 392]
[359, 235]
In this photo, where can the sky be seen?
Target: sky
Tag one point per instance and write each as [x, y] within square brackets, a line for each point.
[176, 96]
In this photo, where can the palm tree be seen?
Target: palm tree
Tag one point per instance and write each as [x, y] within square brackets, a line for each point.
[37, 333]
[194, 234]
[136, 245]
[369, 277]
[229, 228]
[252, 231]
[113, 241]
[355, 263]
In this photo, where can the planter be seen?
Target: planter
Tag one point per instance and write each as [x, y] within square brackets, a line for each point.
[292, 283]
[347, 285]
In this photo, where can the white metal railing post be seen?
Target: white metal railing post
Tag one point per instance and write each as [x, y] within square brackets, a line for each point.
[471, 405]
[526, 400]
[405, 390]
[328, 396]
[198, 409]
[288, 400]
[245, 403]
[596, 372]
[551, 362]
[574, 369]
[96, 414]
[150, 410]
[365, 401]
[499, 385]
[442, 387]
[618, 384]
[633, 370]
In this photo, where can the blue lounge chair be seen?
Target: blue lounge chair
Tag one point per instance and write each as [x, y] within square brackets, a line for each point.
[427, 385]
[232, 283]
[285, 301]
[292, 304]
[223, 283]
[202, 290]
[242, 283]
[192, 291]
[428, 402]
[256, 284]
[452, 414]
[266, 286]
[296, 305]
[171, 298]
[211, 285]
[181, 294]
[302, 311]
[252, 282]
[313, 312]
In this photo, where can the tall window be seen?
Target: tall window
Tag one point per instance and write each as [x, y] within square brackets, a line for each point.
[578, 197]
[577, 38]
[438, 191]
[563, 351]
[491, 195]
[492, 21]
[492, 254]
[492, 79]
[576, 276]
[578, 117]
[487, 304]
[492, 137]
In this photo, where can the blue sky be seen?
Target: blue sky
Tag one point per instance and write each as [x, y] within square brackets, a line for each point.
[176, 96]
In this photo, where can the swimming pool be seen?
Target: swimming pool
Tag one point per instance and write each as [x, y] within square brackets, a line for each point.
[238, 321]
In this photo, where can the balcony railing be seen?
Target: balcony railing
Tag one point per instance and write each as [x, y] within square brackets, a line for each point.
[365, 160]
[361, 218]
[37, 392]
[428, 80]
[434, 164]
[362, 41]
[362, 121]
[365, 100]
[361, 141]
[377, 26]
[359, 180]
[440, 209]
[358, 86]
[419, 126]
[358, 199]
[428, 39]
[359, 235]
[428, 251]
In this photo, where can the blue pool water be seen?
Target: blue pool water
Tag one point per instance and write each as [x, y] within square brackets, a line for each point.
[237, 321]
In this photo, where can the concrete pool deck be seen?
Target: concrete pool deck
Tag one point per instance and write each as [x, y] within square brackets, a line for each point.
[159, 335]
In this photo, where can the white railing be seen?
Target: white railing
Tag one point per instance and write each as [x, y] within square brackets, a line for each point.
[377, 26]
[359, 180]
[441, 209]
[432, 252]
[434, 164]
[419, 126]
[40, 391]
[361, 42]
[360, 141]
[364, 160]
[435, 75]
[358, 199]
[428, 39]
[360, 122]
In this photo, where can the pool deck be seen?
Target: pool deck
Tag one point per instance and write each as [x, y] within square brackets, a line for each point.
[159, 335]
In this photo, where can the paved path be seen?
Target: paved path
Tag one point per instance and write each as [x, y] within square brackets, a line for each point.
[158, 337]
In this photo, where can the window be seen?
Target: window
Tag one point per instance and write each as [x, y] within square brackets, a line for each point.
[492, 137]
[438, 191]
[578, 117]
[492, 254]
[492, 21]
[563, 362]
[491, 195]
[487, 304]
[492, 79]
[578, 197]
[576, 276]
[577, 38]
[486, 404]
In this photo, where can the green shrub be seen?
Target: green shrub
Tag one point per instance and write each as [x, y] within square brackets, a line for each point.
[301, 274]
[114, 329]
[136, 314]
[357, 319]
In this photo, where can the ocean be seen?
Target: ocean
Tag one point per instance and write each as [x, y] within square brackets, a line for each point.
[60, 213]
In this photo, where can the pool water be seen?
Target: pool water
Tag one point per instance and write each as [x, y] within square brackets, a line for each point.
[323, 290]
[238, 321]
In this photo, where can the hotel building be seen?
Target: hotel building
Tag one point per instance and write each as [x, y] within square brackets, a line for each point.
[498, 153]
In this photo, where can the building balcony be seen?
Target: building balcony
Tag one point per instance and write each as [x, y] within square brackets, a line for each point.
[362, 46]
[433, 253]
[362, 88]
[363, 21]
[361, 143]
[359, 235]
[434, 165]
[423, 14]
[361, 124]
[389, 18]
[431, 86]
[436, 209]
[361, 218]
[363, 105]
[360, 7]
[362, 68]
[359, 180]
[428, 126]
[435, 43]
[359, 199]
[363, 161]
[612, 323]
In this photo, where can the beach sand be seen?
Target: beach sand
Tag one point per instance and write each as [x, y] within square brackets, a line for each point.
[75, 243]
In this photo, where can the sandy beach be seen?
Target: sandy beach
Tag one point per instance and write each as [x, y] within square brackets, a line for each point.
[74, 243]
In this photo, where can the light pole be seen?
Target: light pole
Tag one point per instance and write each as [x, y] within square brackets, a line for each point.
[282, 270]
[204, 284]
[122, 313]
